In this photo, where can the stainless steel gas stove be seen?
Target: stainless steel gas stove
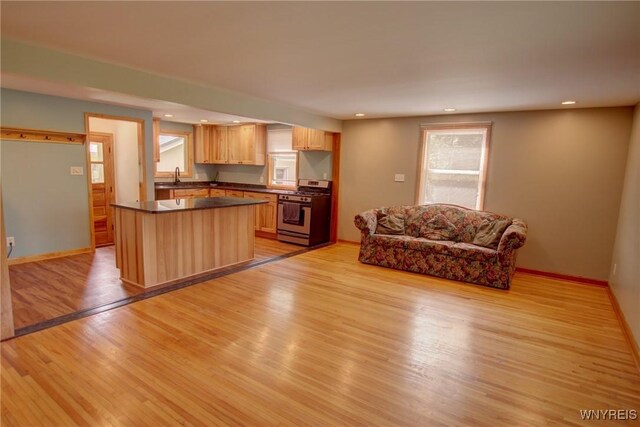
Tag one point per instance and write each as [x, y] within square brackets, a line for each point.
[304, 216]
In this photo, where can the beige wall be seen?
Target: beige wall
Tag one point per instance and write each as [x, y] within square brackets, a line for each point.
[561, 171]
[625, 281]
[125, 155]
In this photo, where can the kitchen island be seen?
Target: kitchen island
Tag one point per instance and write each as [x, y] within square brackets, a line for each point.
[167, 241]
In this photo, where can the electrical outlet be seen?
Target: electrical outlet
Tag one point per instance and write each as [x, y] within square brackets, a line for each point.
[324, 175]
[615, 267]
[262, 180]
[399, 177]
[11, 241]
[76, 170]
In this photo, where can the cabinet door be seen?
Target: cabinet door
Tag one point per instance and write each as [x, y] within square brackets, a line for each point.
[269, 217]
[202, 143]
[328, 141]
[265, 213]
[258, 208]
[234, 193]
[234, 150]
[315, 139]
[259, 152]
[299, 138]
[219, 146]
[189, 193]
[248, 144]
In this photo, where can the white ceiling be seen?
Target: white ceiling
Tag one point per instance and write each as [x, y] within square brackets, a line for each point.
[381, 58]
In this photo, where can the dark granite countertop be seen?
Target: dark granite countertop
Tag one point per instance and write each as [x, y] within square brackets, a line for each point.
[177, 205]
[221, 185]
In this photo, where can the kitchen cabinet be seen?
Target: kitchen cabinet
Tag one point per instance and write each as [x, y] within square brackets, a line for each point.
[181, 193]
[235, 145]
[234, 193]
[202, 144]
[307, 139]
[216, 192]
[210, 144]
[219, 145]
[266, 214]
[246, 144]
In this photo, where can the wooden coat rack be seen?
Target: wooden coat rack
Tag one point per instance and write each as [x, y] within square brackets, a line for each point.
[38, 135]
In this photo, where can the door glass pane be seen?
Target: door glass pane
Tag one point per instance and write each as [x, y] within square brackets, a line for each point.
[96, 152]
[97, 173]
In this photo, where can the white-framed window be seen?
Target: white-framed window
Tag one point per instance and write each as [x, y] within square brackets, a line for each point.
[454, 164]
[282, 159]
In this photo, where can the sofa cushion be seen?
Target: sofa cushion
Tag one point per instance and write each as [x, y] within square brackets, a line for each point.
[436, 246]
[390, 223]
[470, 251]
[438, 228]
[490, 232]
[390, 240]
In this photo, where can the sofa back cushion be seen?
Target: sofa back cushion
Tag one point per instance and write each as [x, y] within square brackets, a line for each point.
[466, 221]
[439, 228]
[490, 232]
[389, 223]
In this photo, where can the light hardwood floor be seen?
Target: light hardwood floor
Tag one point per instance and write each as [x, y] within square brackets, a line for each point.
[320, 339]
[44, 290]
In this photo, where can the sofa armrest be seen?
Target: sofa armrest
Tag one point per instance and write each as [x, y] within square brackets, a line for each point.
[513, 238]
[367, 221]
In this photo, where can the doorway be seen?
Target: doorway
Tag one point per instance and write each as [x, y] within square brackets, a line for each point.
[115, 156]
[102, 186]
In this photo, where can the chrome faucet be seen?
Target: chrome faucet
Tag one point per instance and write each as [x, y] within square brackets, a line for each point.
[176, 175]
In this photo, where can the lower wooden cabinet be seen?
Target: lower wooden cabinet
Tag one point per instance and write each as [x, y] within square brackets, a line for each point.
[181, 193]
[266, 214]
[234, 193]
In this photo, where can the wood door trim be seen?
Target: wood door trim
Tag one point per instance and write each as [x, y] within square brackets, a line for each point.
[335, 188]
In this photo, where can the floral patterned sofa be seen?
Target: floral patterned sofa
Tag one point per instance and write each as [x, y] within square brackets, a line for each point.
[439, 240]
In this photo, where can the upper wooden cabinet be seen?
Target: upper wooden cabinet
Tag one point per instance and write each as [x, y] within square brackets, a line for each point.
[219, 144]
[311, 139]
[239, 145]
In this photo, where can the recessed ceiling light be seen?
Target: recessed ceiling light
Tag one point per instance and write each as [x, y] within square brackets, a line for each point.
[168, 115]
[236, 121]
[359, 114]
[568, 102]
[204, 120]
[449, 110]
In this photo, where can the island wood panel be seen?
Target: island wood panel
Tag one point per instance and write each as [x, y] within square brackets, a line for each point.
[320, 339]
[161, 248]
